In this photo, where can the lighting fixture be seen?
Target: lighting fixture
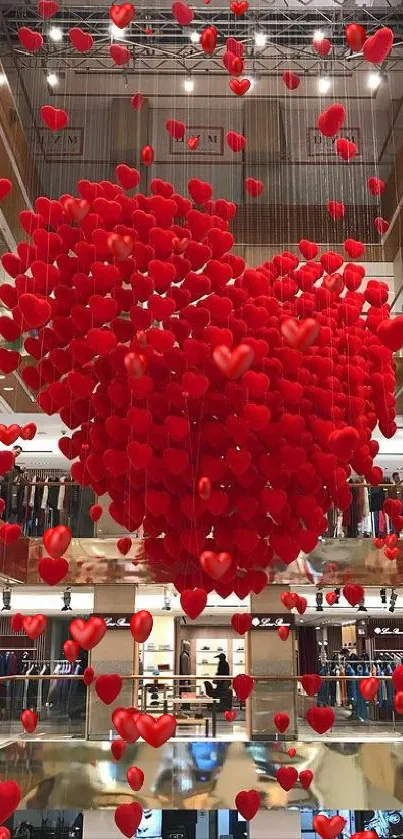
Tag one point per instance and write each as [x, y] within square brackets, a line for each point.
[374, 80]
[319, 601]
[6, 599]
[252, 81]
[66, 597]
[382, 593]
[55, 33]
[189, 84]
[52, 79]
[318, 35]
[393, 598]
[117, 32]
[2, 376]
[7, 388]
[167, 600]
[260, 39]
[3, 79]
[324, 84]
[194, 37]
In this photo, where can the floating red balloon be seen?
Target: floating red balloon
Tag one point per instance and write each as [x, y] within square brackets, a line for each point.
[247, 802]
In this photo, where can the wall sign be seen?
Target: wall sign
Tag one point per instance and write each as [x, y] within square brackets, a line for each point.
[319, 146]
[272, 621]
[211, 141]
[63, 145]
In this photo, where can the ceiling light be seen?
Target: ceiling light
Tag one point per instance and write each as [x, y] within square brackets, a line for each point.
[189, 85]
[55, 33]
[52, 79]
[3, 78]
[117, 32]
[7, 388]
[2, 376]
[374, 80]
[194, 37]
[260, 39]
[324, 84]
[318, 35]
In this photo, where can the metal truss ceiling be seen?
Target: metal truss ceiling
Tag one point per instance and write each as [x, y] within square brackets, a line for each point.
[168, 49]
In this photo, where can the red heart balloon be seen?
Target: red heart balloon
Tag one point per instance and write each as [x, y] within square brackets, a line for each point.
[135, 778]
[88, 675]
[29, 721]
[16, 622]
[236, 142]
[281, 721]
[56, 540]
[287, 777]
[182, 13]
[305, 778]
[71, 650]
[331, 598]
[369, 688]
[54, 118]
[355, 36]
[193, 602]
[353, 593]
[247, 803]
[88, 633]
[10, 797]
[128, 818]
[311, 683]
[34, 625]
[108, 687]
[398, 702]
[141, 624]
[320, 719]
[118, 748]
[156, 732]
[47, 8]
[31, 40]
[376, 186]
[331, 120]
[291, 80]
[215, 565]
[243, 686]
[175, 128]
[378, 46]
[137, 101]
[230, 716]
[239, 86]
[322, 46]
[121, 15]
[328, 828]
[125, 722]
[53, 571]
[241, 622]
[81, 40]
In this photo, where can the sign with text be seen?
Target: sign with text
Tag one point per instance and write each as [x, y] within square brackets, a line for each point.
[116, 621]
[211, 142]
[272, 621]
[65, 144]
[320, 146]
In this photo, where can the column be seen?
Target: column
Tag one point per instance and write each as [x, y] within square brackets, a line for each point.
[116, 653]
[269, 655]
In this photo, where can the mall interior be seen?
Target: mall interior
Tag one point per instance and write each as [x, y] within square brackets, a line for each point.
[173, 186]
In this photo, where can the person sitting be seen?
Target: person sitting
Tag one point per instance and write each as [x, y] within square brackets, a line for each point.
[222, 689]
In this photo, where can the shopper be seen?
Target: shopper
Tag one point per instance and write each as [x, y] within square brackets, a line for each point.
[222, 691]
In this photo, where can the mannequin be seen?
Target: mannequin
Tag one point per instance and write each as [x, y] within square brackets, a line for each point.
[184, 666]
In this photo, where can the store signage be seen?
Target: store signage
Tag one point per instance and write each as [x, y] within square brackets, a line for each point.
[382, 630]
[116, 621]
[60, 144]
[387, 630]
[272, 621]
[318, 144]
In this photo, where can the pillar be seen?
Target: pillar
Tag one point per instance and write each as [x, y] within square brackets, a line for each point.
[116, 653]
[269, 655]
[283, 824]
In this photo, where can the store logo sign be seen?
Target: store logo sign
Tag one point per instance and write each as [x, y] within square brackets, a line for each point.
[387, 630]
[272, 621]
[116, 621]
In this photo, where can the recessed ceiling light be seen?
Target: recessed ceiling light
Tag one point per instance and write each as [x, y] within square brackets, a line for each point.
[318, 35]
[260, 39]
[194, 37]
[7, 388]
[189, 85]
[374, 80]
[117, 32]
[2, 376]
[324, 84]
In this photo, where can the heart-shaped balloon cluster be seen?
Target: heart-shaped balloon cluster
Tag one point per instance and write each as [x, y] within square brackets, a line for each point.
[167, 359]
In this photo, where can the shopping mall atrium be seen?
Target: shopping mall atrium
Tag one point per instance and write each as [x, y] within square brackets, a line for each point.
[201, 419]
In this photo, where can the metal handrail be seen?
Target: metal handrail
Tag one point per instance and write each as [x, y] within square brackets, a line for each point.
[188, 677]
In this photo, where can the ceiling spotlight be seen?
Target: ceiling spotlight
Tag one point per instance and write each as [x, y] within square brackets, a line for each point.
[6, 599]
[318, 35]
[167, 600]
[324, 84]
[374, 80]
[55, 33]
[260, 39]
[3, 79]
[319, 601]
[382, 593]
[194, 37]
[189, 85]
[52, 79]
[117, 32]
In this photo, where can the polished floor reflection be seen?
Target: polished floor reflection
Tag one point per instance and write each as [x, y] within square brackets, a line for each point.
[206, 774]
